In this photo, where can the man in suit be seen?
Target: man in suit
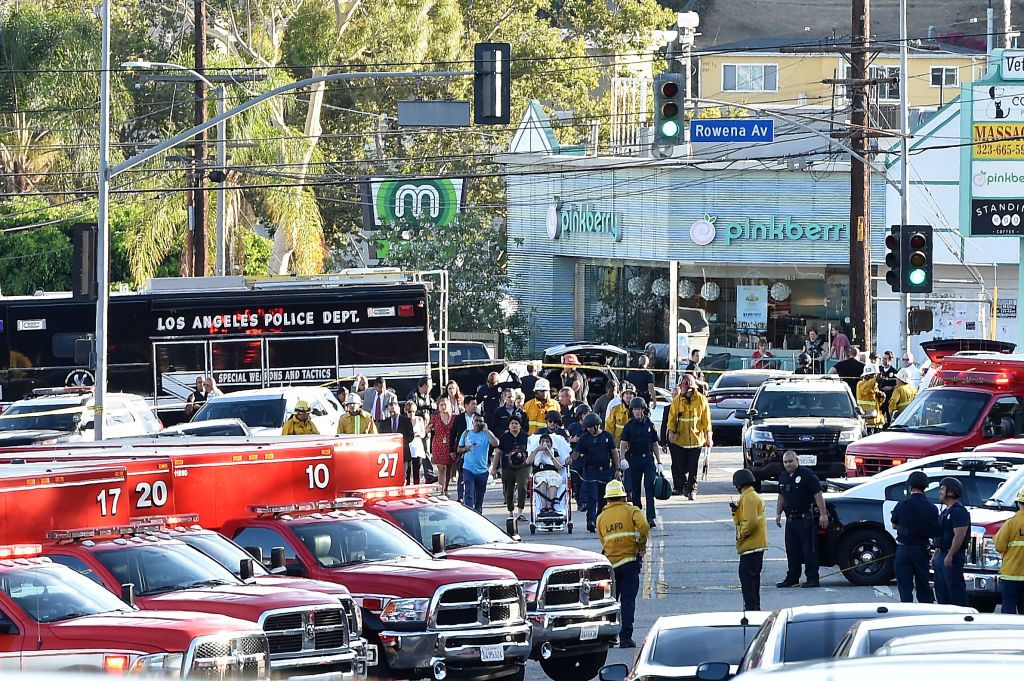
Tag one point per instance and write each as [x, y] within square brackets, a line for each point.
[377, 401]
[396, 422]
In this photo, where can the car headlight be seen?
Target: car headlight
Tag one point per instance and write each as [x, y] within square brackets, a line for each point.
[406, 610]
[761, 436]
[990, 558]
[530, 591]
[160, 664]
[849, 435]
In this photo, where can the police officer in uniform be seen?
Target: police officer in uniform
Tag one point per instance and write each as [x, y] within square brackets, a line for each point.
[799, 493]
[951, 542]
[639, 446]
[916, 520]
[623, 531]
[600, 463]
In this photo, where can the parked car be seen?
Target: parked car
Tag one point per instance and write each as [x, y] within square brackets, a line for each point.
[677, 645]
[232, 427]
[860, 538]
[812, 632]
[984, 640]
[66, 414]
[962, 666]
[814, 416]
[609, 357]
[730, 397]
[864, 638]
[1007, 458]
[265, 410]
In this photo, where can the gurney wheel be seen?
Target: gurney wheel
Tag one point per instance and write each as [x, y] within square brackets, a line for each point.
[533, 528]
[568, 528]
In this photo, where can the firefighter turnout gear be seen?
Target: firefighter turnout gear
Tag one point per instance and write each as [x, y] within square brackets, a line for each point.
[871, 399]
[359, 423]
[1009, 541]
[902, 395]
[623, 531]
[536, 412]
[690, 420]
[750, 521]
[293, 426]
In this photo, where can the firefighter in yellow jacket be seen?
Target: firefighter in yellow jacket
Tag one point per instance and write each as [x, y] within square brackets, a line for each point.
[623, 531]
[536, 409]
[620, 414]
[356, 420]
[870, 398]
[1009, 541]
[299, 422]
[751, 536]
[689, 429]
[903, 394]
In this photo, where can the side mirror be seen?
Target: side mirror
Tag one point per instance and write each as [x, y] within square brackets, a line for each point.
[613, 672]
[751, 414]
[88, 425]
[437, 544]
[713, 671]
[277, 560]
[255, 551]
[128, 594]
[988, 430]
[246, 570]
[512, 528]
[319, 412]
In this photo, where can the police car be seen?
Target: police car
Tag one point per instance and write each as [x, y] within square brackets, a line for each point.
[860, 538]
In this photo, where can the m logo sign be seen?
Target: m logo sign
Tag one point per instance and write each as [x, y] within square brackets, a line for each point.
[420, 202]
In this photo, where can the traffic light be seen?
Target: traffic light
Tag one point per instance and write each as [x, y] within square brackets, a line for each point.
[892, 258]
[916, 259]
[492, 86]
[669, 96]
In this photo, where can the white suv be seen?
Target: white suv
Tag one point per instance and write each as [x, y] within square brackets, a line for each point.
[266, 409]
[66, 414]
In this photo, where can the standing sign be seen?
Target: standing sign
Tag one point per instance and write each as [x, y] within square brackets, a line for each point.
[752, 309]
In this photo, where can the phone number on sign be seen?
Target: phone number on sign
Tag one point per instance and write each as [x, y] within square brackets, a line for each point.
[1014, 149]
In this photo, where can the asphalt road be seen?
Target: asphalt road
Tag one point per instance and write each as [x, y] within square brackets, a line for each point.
[691, 561]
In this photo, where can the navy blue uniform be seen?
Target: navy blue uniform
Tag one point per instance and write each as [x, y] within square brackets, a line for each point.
[950, 587]
[642, 439]
[798, 491]
[916, 520]
[598, 469]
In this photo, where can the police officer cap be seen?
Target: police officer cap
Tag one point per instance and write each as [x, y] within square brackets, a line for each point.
[638, 403]
[743, 478]
[953, 487]
[580, 411]
[918, 480]
[591, 420]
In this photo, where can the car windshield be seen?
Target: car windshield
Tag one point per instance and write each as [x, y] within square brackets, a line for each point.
[41, 417]
[461, 526]
[946, 412]
[1005, 496]
[879, 637]
[346, 542]
[739, 380]
[256, 413]
[215, 430]
[50, 595]
[690, 646]
[226, 552]
[164, 567]
[815, 639]
[774, 404]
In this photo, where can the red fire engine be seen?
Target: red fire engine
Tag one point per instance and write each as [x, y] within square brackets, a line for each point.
[55, 619]
[976, 399]
[308, 633]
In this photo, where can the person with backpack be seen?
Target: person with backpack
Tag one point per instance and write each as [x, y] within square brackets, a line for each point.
[639, 446]
[510, 457]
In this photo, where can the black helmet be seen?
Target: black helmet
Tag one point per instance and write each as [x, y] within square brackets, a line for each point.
[917, 480]
[580, 411]
[803, 359]
[953, 487]
[591, 420]
[638, 403]
[744, 477]
[553, 416]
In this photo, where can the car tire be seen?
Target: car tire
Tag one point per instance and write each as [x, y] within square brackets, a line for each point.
[578, 668]
[866, 557]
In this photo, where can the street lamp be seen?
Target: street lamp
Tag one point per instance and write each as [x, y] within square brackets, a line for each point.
[220, 266]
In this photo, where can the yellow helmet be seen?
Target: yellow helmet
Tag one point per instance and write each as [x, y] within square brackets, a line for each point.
[1020, 497]
[302, 405]
[614, 489]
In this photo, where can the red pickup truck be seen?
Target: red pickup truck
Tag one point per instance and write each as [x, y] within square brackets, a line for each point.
[975, 399]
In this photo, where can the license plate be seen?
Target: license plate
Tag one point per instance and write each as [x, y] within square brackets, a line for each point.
[588, 632]
[492, 654]
[808, 459]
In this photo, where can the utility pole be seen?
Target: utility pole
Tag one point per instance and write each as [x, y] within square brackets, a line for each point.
[199, 195]
[860, 178]
[904, 161]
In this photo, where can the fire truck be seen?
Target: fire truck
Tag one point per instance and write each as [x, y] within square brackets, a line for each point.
[428, 616]
[976, 399]
[569, 592]
[87, 527]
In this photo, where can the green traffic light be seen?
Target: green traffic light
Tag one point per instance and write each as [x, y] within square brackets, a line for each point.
[669, 128]
[916, 277]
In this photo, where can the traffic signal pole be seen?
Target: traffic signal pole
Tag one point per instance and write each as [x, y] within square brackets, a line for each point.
[904, 164]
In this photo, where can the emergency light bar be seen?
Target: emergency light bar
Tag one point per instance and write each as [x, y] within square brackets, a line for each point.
[20, 551]
[385, 493]
[87, 532]
[975, 377]
[166, 520]
[77, 390]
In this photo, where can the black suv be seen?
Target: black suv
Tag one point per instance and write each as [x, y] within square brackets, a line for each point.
[814, 416]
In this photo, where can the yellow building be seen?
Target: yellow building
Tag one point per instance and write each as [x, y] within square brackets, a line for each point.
[758, 72]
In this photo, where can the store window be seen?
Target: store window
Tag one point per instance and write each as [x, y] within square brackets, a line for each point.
[626, 305]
